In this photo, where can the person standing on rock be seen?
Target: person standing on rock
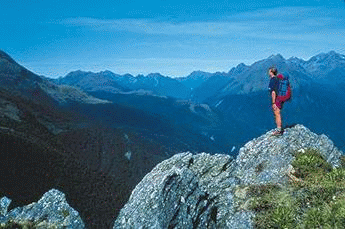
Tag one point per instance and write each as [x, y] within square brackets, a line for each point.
[276, 105]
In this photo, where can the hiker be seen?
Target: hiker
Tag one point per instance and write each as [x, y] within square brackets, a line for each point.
[279, 92]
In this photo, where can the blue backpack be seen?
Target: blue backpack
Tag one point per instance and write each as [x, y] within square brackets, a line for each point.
[284, 89]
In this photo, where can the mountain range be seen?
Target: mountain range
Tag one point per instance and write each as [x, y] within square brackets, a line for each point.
[324, 68]
[238, 97]
[95, 135]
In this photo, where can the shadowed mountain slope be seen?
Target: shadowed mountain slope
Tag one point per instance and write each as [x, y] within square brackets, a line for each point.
[95, 151]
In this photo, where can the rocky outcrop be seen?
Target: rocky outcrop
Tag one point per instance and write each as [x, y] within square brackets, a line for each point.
[51, 211]
[267, 158]
[211, 191]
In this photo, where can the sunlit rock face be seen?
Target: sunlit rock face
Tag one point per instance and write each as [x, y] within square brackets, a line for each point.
[184, 191]
[209, 191]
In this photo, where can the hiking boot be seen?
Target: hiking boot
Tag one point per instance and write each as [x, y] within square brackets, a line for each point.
[278, 132]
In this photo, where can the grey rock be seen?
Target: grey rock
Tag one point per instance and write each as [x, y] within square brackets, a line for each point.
[51, 211]
[4, 203]
[211, 191]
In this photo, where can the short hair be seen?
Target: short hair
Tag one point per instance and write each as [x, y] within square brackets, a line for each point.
[273, 70]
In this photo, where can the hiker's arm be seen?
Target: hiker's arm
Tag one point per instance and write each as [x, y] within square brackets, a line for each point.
[273, 97]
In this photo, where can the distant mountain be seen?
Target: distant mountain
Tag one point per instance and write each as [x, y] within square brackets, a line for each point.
[107, 81]
[162, 85]
[89, 81]
[210, 87]
[195, 79]
[327, 67]
[254, 78]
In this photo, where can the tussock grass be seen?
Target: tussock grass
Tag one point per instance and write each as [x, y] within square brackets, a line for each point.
[318, 201]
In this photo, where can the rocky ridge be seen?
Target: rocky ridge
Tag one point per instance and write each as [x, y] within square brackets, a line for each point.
[211, 191]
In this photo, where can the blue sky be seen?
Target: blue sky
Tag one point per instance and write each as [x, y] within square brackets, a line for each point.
[173, 38]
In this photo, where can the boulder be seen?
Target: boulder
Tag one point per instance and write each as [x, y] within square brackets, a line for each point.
[51, 211]
[185, 191]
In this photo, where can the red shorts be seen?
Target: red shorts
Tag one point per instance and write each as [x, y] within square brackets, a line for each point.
[279, 103]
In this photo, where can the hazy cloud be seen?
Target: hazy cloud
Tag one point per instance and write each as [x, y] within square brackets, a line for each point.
[284, 23]
[154, 27]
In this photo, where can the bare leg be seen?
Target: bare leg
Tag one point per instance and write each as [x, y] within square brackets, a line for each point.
[277, 116]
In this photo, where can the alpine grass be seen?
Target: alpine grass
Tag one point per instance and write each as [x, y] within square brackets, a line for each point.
[315, 200]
